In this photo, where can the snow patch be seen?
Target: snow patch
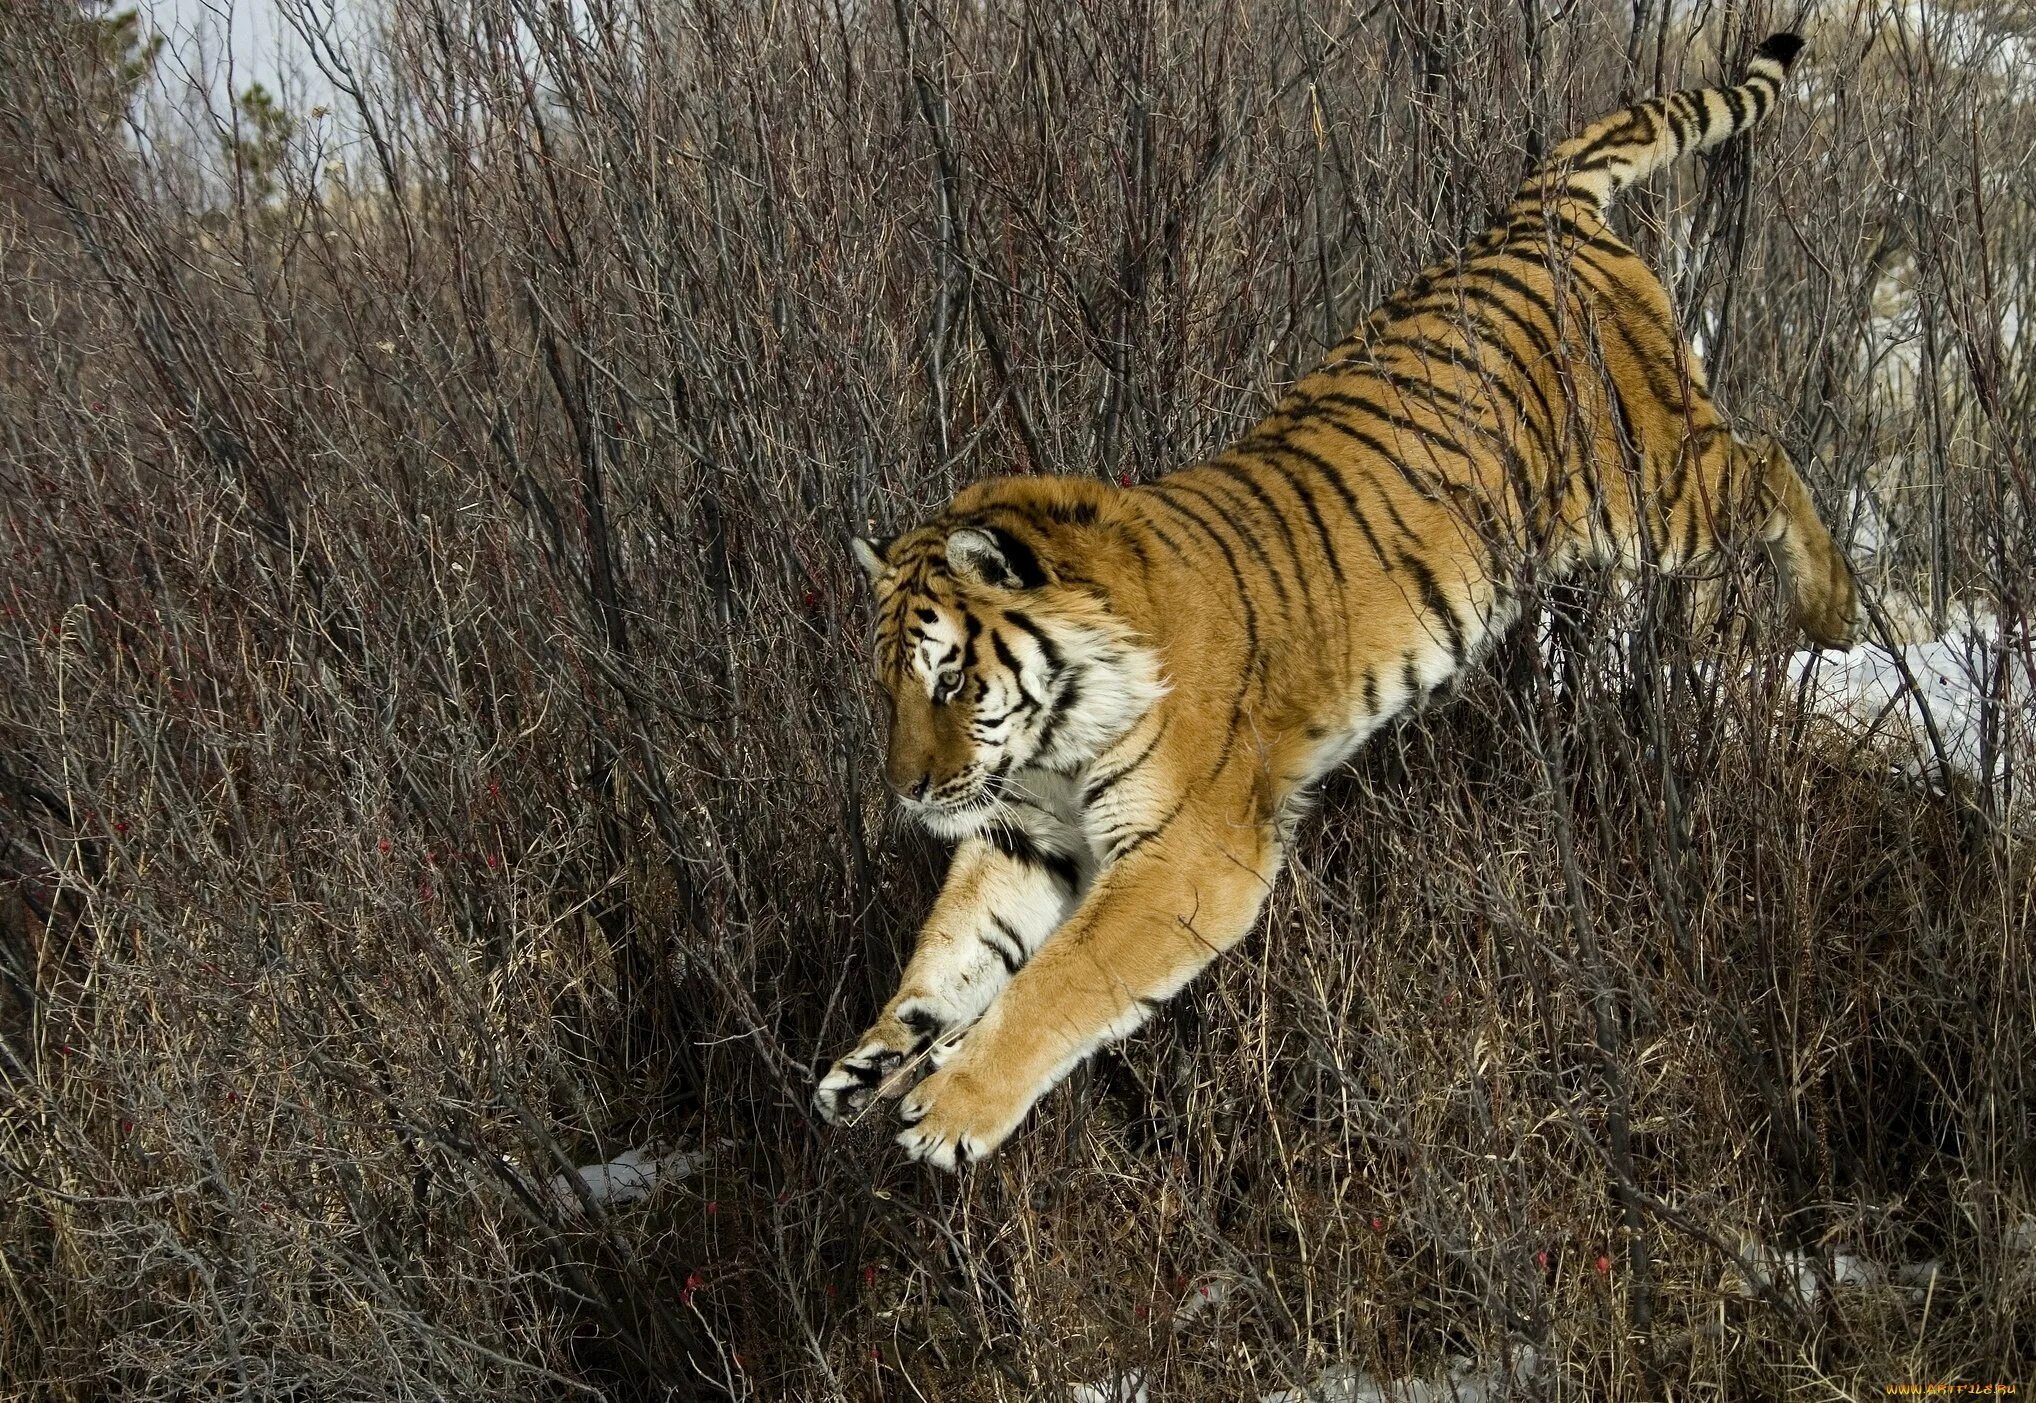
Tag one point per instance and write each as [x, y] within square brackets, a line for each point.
[631, 1175]
[1127, 1388]
[1464, 1381]
[1806, 1277]
[1970, 686]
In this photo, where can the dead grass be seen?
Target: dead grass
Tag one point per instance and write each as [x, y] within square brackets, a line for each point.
[436, 747]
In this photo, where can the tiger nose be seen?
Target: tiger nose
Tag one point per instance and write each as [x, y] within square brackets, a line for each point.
[913, 789]
[910, 781]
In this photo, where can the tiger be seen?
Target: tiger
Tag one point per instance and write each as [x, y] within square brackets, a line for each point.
[1113, 698]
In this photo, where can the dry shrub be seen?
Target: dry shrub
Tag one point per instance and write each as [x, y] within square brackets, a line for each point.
[438, 745]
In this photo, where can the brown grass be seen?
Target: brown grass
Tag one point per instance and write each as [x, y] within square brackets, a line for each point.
[436, 746]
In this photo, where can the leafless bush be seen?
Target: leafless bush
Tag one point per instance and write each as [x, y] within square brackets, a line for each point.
[437, 748]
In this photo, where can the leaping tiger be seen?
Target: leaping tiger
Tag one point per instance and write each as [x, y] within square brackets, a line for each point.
[1111, 697]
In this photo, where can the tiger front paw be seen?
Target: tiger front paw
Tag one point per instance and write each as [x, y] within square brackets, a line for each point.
[959, 1115]
[870, 1071]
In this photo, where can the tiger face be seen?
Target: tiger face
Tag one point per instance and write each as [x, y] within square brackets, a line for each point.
[994, 668]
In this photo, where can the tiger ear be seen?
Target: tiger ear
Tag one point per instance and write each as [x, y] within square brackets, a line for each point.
[986, 555]
[870, 555]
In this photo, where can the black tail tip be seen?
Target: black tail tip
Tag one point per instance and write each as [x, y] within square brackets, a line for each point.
[1782, 48]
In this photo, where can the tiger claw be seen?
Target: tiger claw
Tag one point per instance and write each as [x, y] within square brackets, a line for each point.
[881, 1064]
[853, 1082]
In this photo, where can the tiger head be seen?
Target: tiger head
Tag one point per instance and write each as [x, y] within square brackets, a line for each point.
[996, 661]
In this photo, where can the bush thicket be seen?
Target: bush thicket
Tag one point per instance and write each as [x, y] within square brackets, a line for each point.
[437, 747]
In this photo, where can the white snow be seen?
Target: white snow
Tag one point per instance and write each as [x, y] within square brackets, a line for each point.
[1465, 1381]
[1962, 685]
[1806, 1277]
[1126, 1388]
[1203, 1296]
[631, 1175]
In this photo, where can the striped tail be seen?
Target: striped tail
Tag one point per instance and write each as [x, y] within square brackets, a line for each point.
[1617, 150]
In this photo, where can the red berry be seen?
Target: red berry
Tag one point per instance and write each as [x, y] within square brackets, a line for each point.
[383, 845]
[1604, 1264]
[1541, 1259]
[1378, 1224]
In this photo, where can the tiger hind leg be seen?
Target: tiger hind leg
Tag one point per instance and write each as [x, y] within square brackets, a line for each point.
[1750, 491]
[1816, 577]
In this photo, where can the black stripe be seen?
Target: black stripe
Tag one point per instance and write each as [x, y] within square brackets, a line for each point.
[1621, 299]
[1272, 508]
[1010, 661]
[1335, 479]
[1018, 845]
[1736, 100]
[1588, 147]
[985, 724]
[1416, 481]
[1427, 348]
[1307, 499]
[1146, 523]
[1469, 292]
[1435, 438]
[1097, 787]
[1131, 543]
[1250, 541]
[1626, 132]
[1062, 704]
[1762, 90]
[1682, 119]
[1253, 676]
[1493, 341]
[1010, 949]
[1436, 603]
[1230, 557]
[1409, 474]
[1519, 287]
[1690, 536]
[1470, 415]
[1435, 491]
[972, 629]
[1125, 849]
[1023, 623]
